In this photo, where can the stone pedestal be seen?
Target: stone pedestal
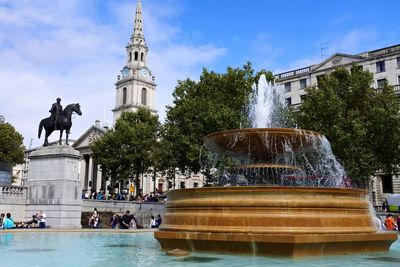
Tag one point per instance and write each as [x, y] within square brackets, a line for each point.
[54, 186]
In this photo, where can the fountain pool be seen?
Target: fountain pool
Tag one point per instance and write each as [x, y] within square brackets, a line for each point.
[42, 249]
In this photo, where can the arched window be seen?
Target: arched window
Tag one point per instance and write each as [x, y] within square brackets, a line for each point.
[130, 56]
[136, 55]
[144, 96]
[141, 56]
[124, 96]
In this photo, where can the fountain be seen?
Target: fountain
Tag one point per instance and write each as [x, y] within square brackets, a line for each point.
[285, 196]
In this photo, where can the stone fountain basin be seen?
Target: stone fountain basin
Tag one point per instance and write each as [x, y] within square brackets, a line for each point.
[261, 144]
[285, 221]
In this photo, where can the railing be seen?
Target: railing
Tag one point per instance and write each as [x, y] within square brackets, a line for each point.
[292, 73]
[384, 51]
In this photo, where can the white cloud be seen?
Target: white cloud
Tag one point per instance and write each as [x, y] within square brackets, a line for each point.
[354, 41]
[51, 49]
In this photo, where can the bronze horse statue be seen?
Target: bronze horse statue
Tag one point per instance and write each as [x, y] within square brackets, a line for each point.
[63, 123]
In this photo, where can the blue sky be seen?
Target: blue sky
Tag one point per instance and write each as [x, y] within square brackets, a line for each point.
[74, 49]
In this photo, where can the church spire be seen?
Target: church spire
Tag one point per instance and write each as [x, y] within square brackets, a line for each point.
[138, 36]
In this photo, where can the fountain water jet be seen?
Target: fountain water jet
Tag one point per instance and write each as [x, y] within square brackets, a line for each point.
[271, 219]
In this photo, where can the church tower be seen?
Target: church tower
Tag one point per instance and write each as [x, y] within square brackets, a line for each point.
[135, 86]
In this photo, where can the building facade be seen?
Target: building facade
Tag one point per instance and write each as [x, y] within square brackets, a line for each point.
[135, 86]
[383, 63]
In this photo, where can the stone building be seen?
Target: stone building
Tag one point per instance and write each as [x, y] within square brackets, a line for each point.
[135, 87]
[383, 63]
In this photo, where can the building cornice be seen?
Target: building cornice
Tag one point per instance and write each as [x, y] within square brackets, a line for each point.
[127, 106]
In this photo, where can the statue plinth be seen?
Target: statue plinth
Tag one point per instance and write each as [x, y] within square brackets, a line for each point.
[54, 186]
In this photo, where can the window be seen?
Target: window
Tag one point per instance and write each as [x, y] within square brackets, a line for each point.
[398, 79]
[288, 101]
[302, 98]
[136, 55]
[387, 184]
[398, 62]
[381, 83]
[141, 56]
[195, 185]
[380, 66]
[130, 56]
[124, 96]
[303, 83]
[288, 87]
[144, 96]
[182, 184]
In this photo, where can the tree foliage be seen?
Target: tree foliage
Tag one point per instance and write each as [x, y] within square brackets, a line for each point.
[11, 145]
[214, 103]
[362, 123]
[128, 150]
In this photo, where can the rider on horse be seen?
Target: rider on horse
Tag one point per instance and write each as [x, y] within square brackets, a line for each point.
[55, 111]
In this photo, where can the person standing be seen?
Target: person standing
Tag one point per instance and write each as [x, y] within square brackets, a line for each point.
[125, 220]
[8, 222]
[42, 219]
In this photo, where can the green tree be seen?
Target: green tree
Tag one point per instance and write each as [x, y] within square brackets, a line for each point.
[11, 145]
[216, 102]
[362, 123]
[128, 151]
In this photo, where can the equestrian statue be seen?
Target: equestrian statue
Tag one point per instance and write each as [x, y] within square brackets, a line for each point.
[59, 120]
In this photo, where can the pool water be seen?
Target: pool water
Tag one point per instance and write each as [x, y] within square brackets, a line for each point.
[74, 249]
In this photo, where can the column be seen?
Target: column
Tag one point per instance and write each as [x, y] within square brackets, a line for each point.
[90, 173]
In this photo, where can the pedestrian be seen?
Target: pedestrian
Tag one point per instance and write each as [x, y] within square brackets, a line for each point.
[114, 221]
[158, 220]
[8, 222]
[94, 220]
[133, 222]
[42, 219]
[385, 206]
[153, 222]
[398, 223]
[390, 223]
[125, 220]
[2, 216]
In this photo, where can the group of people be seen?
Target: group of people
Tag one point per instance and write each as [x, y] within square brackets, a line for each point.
[155, 222]
[129, 221]
[38, 221]
[101, 195]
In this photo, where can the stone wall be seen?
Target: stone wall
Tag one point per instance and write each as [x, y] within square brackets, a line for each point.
[142, 210]
[12, 199]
